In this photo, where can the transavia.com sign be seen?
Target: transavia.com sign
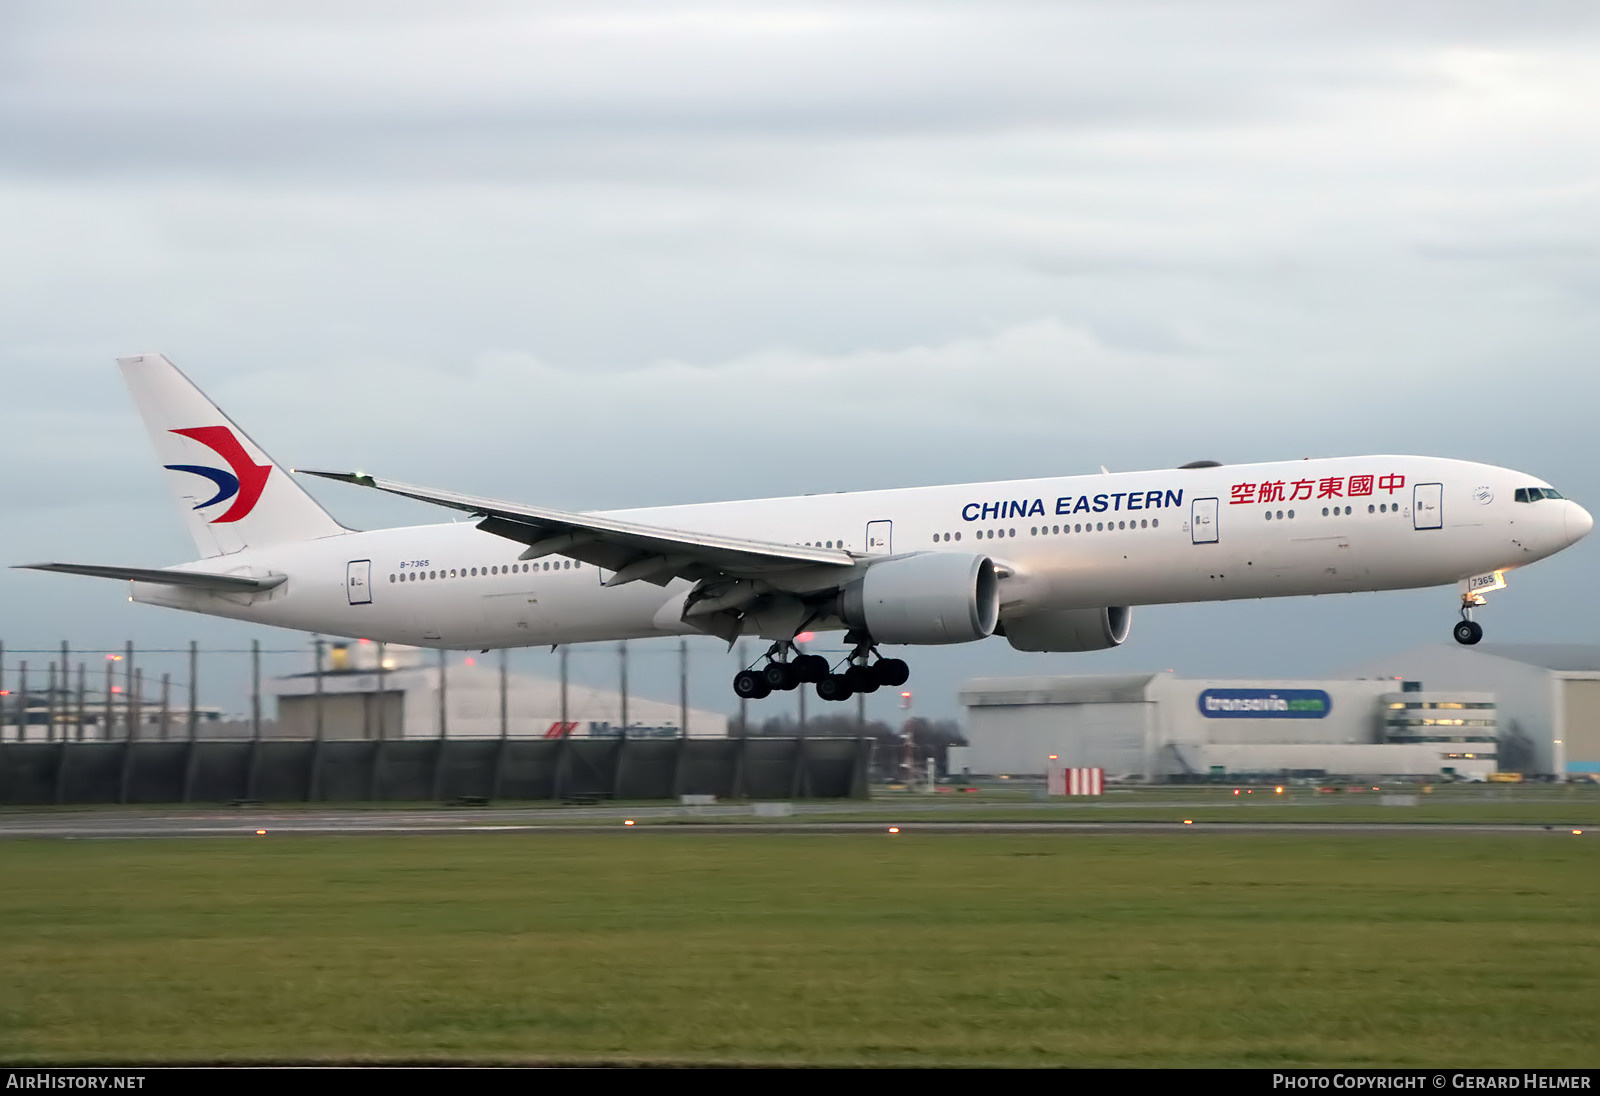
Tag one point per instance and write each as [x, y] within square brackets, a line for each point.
[1264, 703]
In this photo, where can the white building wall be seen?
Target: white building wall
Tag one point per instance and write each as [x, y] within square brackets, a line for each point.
[1154, 726]
[1018, 740]
[472, 705]
[1523, 693]
[1342, 760]
[1353, 717]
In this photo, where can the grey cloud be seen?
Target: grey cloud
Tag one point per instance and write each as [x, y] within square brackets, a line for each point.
[600, 255]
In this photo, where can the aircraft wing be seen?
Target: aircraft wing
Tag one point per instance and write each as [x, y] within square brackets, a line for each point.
[222, 584]
[633, 552]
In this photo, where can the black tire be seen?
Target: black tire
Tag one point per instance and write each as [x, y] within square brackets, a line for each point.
[891, 672]
[811, 668]
[861, 679]
[780, 676]
[749, 685]
[833, 687]
[1468, 632]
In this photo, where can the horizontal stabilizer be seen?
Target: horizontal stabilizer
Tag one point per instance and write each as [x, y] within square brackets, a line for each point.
[228, 584]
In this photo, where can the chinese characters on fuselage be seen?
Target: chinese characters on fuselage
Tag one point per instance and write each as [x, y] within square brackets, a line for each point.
[1327, 487]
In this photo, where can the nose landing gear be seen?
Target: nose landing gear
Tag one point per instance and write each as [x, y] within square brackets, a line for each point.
[1468, 631]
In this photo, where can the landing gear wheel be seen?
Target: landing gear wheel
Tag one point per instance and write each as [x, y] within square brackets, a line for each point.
[810, 668]
[833, 687]
[891, 672]
[861, 679]
[750, 685]
[1468, 632]
[780, 676]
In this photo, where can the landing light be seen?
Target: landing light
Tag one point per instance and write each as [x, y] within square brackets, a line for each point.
[896, 829]
[1279, 791]
[1577, 831]
[1188, 821]
[261, 833]
[629, 822]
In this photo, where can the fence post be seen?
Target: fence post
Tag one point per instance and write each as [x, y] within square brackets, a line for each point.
[66, 711]
[622, 657]
[127, 685]
[22, 701]
[375, 772]
[50, 703]
[563, 686]
[110, 713]
[191, 757]
[194, 690]
[444, 727]
[744, 725]
[505, 726]
[83, 689]
[133, 735]
[251, 773]
[314, 785]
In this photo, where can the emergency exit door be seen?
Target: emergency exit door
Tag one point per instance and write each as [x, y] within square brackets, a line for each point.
[880, 539]
[1427, 509]
[1203, 521]
[358, 581]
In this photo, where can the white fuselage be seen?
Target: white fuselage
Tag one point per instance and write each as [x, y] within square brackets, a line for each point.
[1135, 538]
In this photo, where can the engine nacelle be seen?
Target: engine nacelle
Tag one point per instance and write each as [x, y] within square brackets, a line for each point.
[934, 597]
[1070, 629]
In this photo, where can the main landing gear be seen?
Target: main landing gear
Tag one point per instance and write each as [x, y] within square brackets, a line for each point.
[787, 669]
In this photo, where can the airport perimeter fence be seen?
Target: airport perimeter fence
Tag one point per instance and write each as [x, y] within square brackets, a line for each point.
[106, 732]
[431, 770]
[51, 693]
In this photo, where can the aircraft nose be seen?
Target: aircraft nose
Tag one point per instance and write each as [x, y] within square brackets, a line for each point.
[1578, 522]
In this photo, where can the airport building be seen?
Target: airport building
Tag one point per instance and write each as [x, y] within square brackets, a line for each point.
[1547, 696]
[1160, 727]
[403, 692]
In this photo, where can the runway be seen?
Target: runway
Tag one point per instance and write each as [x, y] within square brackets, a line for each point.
[255, 823]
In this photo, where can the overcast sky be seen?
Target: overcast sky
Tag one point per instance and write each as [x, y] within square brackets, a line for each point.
[602, 254]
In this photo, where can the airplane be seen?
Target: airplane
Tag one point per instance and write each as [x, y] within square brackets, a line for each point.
[1050, 564]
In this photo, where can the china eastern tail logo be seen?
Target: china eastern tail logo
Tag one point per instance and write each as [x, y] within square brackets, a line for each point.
[243, 484]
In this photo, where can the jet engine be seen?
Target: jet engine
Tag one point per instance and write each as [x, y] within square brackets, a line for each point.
[1069, 629]
[933, 597]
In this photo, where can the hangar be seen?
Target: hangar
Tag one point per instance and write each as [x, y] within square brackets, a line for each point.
[1159, 727]
[1548, 697]
[399, 694]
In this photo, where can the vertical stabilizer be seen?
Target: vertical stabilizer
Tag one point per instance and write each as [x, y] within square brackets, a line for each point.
[231, 493]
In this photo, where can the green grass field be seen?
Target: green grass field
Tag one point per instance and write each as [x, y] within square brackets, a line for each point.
[1159, 950]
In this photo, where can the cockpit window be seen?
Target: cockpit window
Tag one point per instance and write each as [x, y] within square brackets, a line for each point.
[1534, 494]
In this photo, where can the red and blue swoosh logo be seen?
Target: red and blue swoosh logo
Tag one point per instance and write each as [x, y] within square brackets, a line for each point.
[244, 483]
